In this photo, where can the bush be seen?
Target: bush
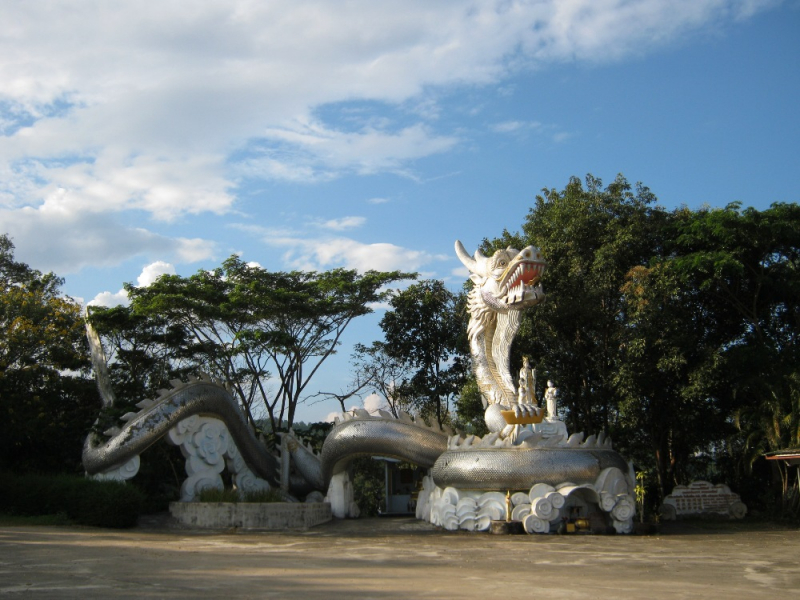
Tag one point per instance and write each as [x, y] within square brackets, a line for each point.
[369, 485]
[231, 495]
[84, 501]
[211, 494]
[270, 495]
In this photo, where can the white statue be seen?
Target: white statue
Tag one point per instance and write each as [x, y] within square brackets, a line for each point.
[527, 384]
[551, 398]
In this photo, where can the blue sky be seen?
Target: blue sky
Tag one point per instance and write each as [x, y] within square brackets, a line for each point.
[138, 139]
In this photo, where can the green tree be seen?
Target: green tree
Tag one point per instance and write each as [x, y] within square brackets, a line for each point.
[668, 329]
[424, 330]
[144, 353]
[591, 237]
[46, 399]
[244, 324]
[666, 376]
[469, 409]
[743, 266]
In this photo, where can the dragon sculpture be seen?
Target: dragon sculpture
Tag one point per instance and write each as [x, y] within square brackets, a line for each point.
[504, 285]
[467, 474]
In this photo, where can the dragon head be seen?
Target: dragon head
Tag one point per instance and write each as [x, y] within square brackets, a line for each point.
[509, 279]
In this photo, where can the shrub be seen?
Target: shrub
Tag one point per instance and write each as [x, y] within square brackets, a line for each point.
[271, 495]
[211, 494]
[84, 501]
[230, 495]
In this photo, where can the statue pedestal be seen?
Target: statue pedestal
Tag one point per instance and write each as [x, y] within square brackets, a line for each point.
[551, 428]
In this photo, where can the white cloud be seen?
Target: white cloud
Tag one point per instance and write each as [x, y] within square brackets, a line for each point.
[63, 241]
[153, 271]
[460, 272]
[149, 107]
[318, 254]
[515, 126]
[378, 200]
[373, 403]
[322, 153]
[133, 88]
[306, 252]
[562, 136]
[343, 224]
[148, 275]
[110, 299]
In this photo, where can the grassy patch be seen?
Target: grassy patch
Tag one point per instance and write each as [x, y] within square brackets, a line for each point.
[59, 519]
[271, 495]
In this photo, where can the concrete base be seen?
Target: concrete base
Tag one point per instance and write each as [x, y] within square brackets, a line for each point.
[251, 515]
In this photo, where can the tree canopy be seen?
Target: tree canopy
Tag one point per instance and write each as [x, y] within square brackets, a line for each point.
[47, 402]
[674, 331]
[424, 331]
[244, 325]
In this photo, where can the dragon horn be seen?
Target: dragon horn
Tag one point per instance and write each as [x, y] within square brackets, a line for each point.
[465, 258]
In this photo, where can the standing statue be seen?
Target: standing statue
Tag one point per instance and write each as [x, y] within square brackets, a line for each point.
[527, 384]
[551, 398]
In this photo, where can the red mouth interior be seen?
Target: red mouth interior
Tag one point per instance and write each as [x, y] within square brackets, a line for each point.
[527, 273]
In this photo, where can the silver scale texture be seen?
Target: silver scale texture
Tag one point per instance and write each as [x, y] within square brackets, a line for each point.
[381, 437]
[151, 424]
[519, 468]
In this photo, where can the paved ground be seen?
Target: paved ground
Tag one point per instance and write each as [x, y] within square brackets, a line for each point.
[398, 558]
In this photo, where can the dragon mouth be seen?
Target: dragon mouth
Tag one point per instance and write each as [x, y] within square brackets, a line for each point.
[521, 277]
[526, 273]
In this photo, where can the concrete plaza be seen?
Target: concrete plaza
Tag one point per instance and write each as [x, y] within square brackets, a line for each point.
[398, 558]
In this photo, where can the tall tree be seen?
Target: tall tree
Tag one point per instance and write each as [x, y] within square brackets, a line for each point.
[591, 237]
[667, 329]
[244, 324]
[424, 330]
[45, 398]
[666, 376]
[744, 266]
